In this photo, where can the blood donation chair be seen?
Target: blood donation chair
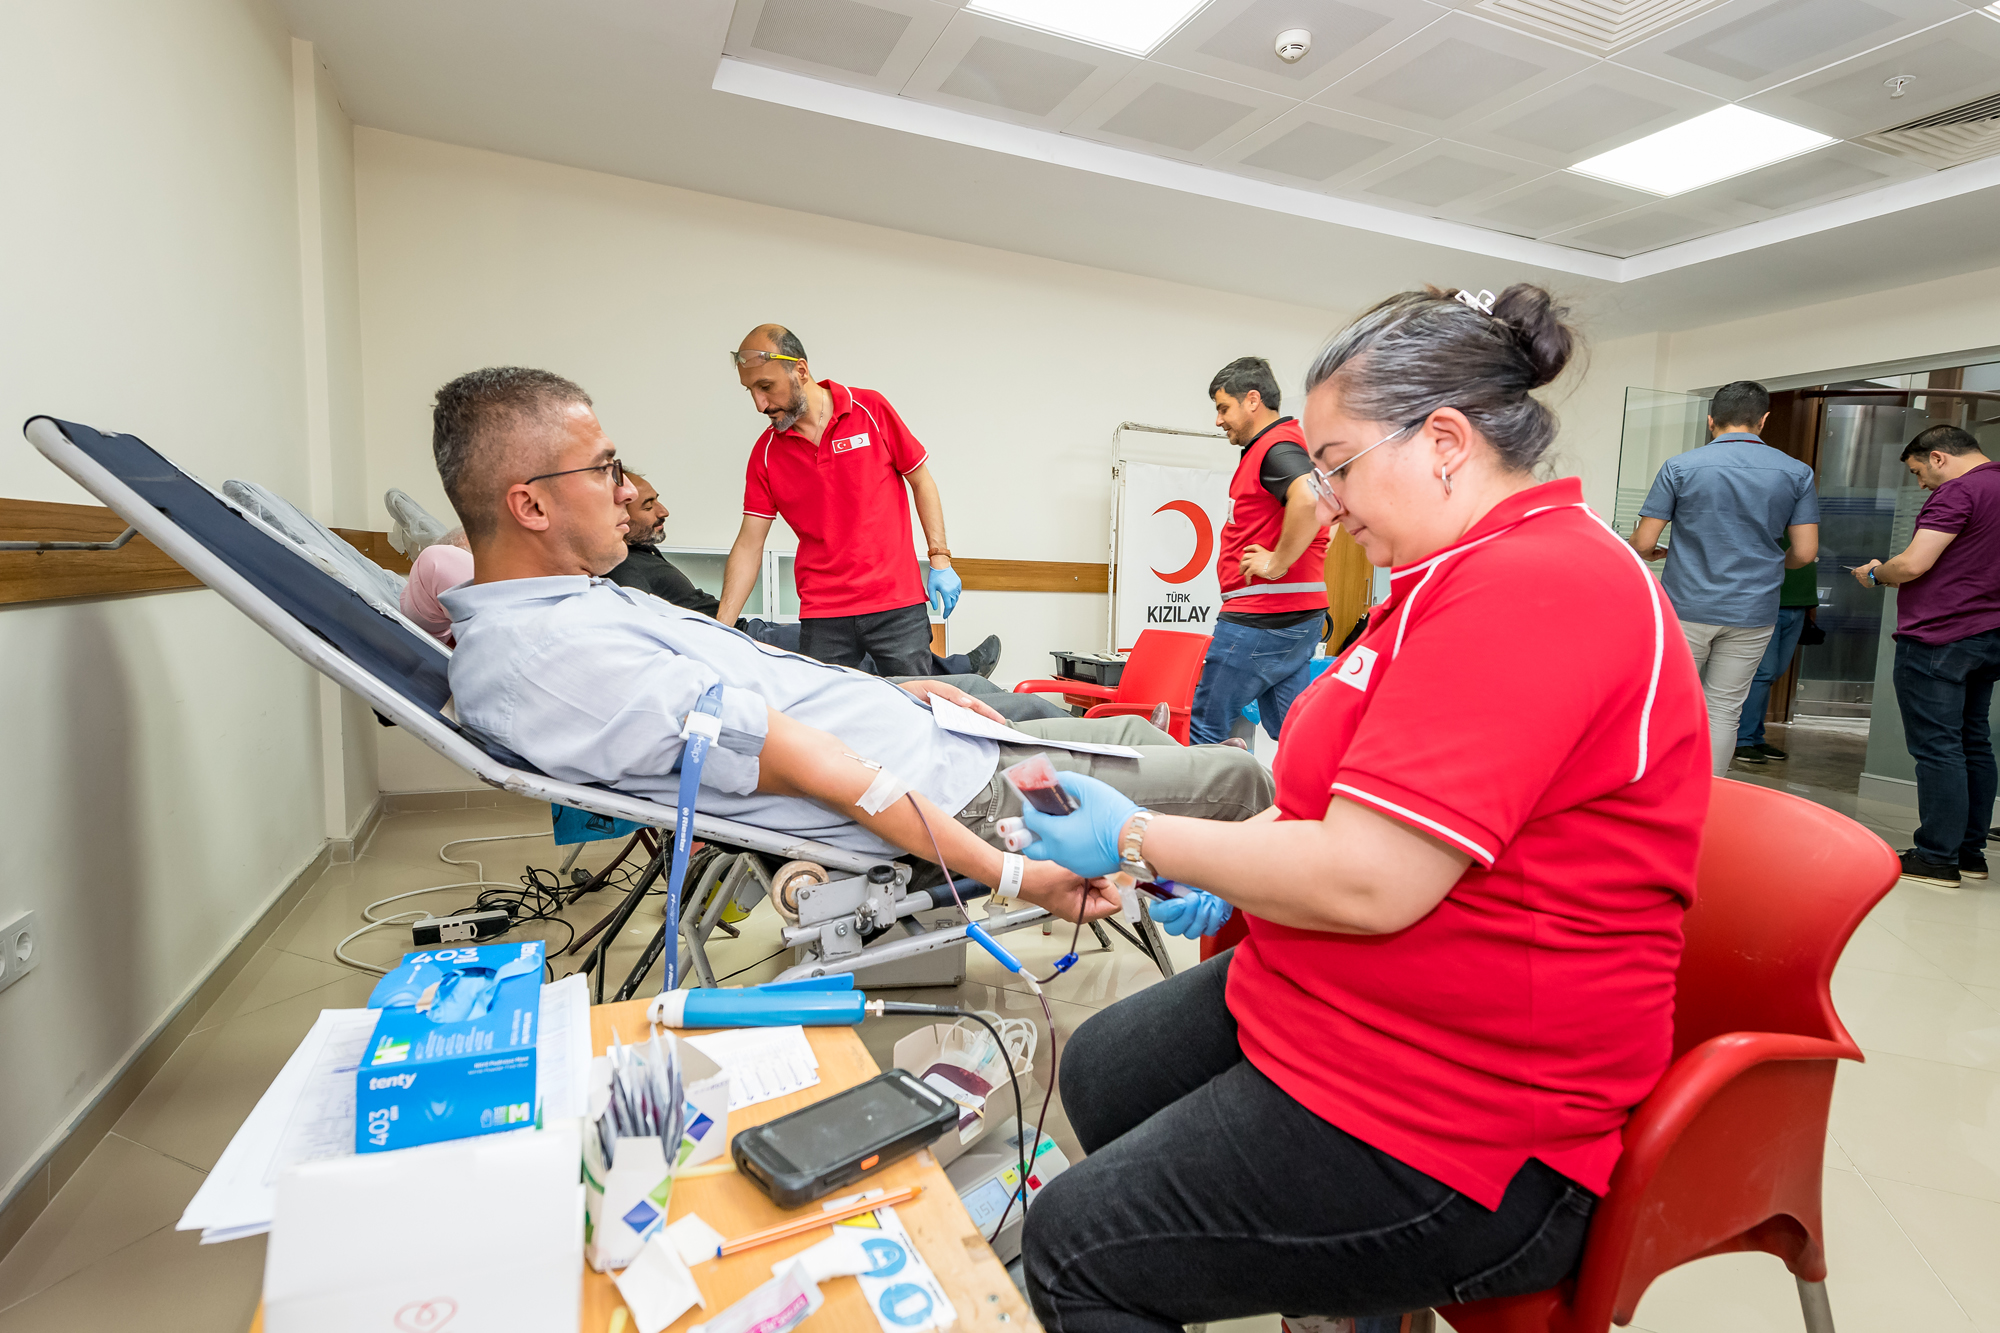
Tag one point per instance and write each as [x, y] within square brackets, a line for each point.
[1163, 667]
[860, 912]
[1726, 1153]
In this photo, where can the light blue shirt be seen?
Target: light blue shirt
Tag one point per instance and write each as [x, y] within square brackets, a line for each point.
[1730, 502]
[591, 682]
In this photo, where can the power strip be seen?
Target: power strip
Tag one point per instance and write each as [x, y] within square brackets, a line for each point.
[481, 925]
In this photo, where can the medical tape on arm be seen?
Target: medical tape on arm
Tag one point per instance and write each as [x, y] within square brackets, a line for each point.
[884, 791]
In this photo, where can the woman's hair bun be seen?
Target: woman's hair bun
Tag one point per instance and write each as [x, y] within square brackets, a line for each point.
[1540, 326]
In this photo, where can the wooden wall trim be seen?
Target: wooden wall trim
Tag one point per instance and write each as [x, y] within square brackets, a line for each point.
[46, 576]
[1032, 576]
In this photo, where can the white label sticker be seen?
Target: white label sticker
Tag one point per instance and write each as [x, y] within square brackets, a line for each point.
[1357, 667]
[851, 442]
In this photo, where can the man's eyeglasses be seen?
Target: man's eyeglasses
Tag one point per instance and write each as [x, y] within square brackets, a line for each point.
[616, 467]
[751, 360]
[1322, 481]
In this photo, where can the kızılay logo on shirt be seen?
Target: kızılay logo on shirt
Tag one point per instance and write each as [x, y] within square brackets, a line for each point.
[1358, 668]
[860, 441]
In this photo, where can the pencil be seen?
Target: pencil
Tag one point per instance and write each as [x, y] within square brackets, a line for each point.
[799, 1227]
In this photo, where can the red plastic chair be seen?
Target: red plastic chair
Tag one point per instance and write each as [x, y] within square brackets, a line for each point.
[1163, 667]
[1725, 1154]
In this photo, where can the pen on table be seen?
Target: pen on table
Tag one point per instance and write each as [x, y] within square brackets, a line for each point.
[786, 1230]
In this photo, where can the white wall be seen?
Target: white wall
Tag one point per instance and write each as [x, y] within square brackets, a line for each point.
[165, 757]
[1013, 370]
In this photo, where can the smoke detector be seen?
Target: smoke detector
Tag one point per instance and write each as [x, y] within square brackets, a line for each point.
[1293, 43]
[1896, 83]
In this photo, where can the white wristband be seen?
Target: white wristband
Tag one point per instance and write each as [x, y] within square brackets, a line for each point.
[1013, 869]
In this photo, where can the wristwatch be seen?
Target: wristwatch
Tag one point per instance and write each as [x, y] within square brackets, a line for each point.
[1131, 846]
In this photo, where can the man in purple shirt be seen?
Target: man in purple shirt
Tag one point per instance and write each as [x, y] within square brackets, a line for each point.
[1948, 651]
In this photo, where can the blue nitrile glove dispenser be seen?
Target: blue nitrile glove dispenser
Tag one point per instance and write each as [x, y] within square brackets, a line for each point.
[453, 1051]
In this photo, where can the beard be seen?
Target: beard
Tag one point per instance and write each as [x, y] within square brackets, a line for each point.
[648, 537]
[788, 416]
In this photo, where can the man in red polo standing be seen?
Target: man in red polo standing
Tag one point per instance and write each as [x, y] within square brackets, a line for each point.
[1271, 564]
[833, 464]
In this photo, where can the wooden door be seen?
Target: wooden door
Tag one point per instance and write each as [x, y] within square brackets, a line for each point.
[1348, 577]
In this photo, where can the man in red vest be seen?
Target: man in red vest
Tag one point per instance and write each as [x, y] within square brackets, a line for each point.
[1271, 564]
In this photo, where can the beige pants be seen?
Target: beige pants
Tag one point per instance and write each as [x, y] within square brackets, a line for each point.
[1202, 781]
[1727, 657]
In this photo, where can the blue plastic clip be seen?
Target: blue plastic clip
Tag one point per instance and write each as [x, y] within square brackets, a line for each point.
[1065, 963]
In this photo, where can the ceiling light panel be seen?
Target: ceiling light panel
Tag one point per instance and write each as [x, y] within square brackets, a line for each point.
[1443, 177]
[1007, 72]
[1132, 26]
[1236, 39]
[1587, 114]
[1746, 46]
[1313, 148]
[1454, 74]
[1713, 146]
[1175, 113]
[1948, 65]
[872, 44]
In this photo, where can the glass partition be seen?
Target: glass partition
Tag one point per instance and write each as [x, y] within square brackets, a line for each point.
[1658, 425]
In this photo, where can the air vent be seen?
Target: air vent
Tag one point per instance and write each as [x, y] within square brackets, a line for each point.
[1947, 139]
[1608, 25]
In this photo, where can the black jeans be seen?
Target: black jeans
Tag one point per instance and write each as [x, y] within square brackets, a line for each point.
[898, 640]
[1210, 1194]
[1945, 691]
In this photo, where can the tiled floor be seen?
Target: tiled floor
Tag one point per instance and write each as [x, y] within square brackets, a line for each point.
[1913, 1166]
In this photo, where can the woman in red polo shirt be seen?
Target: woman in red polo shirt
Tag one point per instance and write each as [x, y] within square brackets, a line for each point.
[1406, 1086]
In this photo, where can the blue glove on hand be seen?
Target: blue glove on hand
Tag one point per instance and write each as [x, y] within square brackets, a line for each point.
[1085, 841]
[1200, 913]
[942, 587]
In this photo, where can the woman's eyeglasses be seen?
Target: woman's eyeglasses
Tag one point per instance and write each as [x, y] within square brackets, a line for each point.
[1321, 481]
[616, 467]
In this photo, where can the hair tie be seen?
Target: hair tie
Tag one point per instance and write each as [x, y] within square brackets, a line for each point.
[1483, 302]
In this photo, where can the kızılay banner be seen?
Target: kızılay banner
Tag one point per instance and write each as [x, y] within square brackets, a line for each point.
[1169, 524]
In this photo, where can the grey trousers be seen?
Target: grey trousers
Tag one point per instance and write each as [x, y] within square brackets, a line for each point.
[1202, 781]
[1727, 657]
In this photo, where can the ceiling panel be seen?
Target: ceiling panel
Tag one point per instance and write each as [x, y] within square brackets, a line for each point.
[1587, 114]
[1453, 75]
[1828, 173]
[1176, 113]
[1559, 201]
[1442, 177]
[1598, 27]
[873, 44]
[1668, 222]
[1951, 64]
[1747, 46]
[1008, 72]
[1316, 148]
[1237, 39]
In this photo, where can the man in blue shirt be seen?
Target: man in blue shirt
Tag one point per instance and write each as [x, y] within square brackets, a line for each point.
[1731, 503]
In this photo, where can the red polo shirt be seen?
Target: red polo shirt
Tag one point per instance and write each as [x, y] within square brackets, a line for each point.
[1524, 695]
[844, 497]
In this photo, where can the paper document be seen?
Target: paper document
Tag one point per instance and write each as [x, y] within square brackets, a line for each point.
[762, 1063]
[968, 723]
[307, 1114]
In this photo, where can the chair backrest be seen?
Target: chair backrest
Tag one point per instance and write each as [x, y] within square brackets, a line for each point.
[1780, 887]
[1164, 665]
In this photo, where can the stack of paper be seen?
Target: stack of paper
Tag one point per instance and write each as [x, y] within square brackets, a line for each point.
[307, 1114]
[762, 1063]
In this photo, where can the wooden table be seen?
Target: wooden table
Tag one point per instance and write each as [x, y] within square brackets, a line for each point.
[971, 1274]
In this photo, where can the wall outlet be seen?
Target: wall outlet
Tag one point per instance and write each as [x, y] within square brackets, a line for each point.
[20, 947]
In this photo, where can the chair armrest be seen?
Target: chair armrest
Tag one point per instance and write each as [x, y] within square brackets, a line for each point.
[1126, 708]
[1081, 688]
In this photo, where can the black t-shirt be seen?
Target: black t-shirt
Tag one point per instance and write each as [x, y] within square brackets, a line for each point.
[647, 570]
[1284, 463]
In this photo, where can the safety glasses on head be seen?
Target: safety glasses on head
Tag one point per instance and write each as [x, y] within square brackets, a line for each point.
[752, 360]
[616, 467]
[1323, 481]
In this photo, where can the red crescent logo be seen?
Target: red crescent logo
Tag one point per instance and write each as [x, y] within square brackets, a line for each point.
[1204, 540]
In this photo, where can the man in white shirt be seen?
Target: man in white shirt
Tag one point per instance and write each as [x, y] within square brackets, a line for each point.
[592, 682]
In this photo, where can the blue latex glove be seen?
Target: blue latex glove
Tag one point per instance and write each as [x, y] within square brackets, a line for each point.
[1199, 913]
[943, 586]
[1085, 841]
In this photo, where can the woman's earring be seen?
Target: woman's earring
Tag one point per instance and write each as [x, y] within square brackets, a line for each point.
[1445, 474]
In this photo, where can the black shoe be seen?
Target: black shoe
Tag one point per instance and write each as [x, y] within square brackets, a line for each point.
[1749, 754]
[1769, 751]
[986, 656]
[1972, 865]
[1920, 868]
